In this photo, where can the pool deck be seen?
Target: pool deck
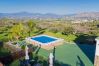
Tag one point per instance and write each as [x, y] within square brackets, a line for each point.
[47, 46]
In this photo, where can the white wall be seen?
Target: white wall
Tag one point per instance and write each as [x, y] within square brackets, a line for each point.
[97, 47]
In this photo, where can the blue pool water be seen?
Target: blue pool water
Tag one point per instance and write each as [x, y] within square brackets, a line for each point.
[43, 39]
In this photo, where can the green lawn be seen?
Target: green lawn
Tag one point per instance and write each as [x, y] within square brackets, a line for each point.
[68, 38]
[71, 54]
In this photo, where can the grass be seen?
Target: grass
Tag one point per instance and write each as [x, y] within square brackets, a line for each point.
[3, 36]
[69, 54]
[68, 38]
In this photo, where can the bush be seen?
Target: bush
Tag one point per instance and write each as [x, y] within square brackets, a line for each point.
[70, 37]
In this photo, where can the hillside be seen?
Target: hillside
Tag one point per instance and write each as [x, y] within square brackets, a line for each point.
[78, 16]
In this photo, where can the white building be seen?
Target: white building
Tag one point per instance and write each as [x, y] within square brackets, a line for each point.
[96, 62]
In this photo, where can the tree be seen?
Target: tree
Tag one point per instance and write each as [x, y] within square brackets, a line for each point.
[16, 31]
[31, 26]
[10, 37]
[67, 30]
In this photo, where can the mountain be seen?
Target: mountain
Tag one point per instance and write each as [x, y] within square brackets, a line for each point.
[88, 14]
[78, 16]
[29, 15]
[85, 15]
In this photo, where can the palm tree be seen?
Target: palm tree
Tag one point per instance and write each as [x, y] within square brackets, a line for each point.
[31, 26]
[10, 36]
[16, 31]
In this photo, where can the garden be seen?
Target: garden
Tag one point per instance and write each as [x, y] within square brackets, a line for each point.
[75, 51]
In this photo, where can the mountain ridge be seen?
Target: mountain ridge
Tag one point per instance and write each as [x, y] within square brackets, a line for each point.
[84, 15]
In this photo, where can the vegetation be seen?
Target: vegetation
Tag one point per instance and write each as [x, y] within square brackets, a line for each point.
[31, 26]
[12, 30]
[17, 30]
[4, 52]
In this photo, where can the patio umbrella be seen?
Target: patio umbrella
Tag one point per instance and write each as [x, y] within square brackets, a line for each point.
[51, 59]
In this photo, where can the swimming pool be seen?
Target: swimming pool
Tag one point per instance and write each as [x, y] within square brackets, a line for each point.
[44, 39]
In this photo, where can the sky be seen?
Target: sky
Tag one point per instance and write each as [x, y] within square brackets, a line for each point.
[49, 6]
